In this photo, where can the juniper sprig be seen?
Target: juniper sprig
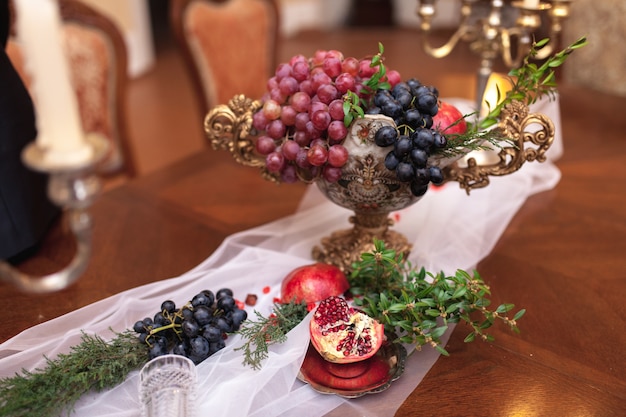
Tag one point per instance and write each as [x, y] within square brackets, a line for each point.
[94, 364]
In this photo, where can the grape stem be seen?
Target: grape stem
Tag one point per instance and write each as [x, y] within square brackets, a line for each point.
[173, 325]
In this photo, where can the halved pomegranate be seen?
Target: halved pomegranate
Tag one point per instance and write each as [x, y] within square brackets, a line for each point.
[342, 334]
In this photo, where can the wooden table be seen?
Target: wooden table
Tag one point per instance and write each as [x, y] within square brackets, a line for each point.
[562, 258]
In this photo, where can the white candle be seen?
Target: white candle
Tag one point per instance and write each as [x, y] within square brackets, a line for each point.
[59, 130]
[495, 91]
[531, 4]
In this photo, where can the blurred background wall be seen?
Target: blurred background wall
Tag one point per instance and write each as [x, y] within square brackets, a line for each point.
[600, 66]
[133, 19]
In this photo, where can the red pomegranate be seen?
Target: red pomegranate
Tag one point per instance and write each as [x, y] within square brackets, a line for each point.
[313, 283]
[445, 119]
[342, 334]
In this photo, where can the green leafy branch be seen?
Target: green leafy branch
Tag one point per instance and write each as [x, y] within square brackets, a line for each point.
[92, 364]
[530, 81]
[265, 331]
[353, 103]
[416, 306]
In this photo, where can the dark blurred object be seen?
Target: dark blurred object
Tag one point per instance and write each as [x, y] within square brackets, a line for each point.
[4, 22]
[371, 13]
[25, 211]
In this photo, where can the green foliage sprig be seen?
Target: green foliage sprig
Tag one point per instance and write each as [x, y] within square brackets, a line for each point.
[265, 331]
[353, 104]
[417, 306]
[530, 81]
[483, 140]
[94, 364]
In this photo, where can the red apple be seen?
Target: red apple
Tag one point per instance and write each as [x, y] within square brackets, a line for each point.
[446, 117]
[313, 283]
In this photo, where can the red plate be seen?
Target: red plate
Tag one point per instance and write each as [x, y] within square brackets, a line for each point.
[353, 380]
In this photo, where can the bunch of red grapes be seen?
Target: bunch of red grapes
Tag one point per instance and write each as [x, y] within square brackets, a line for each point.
[302, 118]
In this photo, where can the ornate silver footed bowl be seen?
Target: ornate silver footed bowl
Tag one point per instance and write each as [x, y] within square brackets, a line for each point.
[366, 185]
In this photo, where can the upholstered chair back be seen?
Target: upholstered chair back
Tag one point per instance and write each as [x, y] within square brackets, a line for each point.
[229, 46]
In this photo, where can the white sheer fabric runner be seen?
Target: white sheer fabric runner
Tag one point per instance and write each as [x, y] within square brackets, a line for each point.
[449, 230]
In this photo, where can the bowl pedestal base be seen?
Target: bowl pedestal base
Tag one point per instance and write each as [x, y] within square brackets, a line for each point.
[344, 247]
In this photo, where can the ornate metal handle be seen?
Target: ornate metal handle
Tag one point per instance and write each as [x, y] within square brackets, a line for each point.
[228, 127]
[515, 118]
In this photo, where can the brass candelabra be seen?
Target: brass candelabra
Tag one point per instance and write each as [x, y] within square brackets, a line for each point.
[483, 26]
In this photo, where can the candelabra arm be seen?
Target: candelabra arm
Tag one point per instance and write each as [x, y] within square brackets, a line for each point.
[74, 189]
[466, 31]
[523, 46]
[558, 12]
[445, 49]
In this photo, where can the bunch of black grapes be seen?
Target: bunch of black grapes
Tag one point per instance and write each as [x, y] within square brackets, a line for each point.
[412, 106]
[197, 330]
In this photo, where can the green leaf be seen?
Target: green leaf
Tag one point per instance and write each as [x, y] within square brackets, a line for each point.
[438, 332]
[459, 292]
[357, 291]
[373, 310]
[384, 300]
[347, 119]
[346, 110]
[519, 314]
[396, 308]
[579, 43]
[452, 308]
[426, 302]
[428, 324]
[441, 350]
[470, 338]
[503, 308]
[406, 325]
[355, 99]
[486, 324]
[556, 63]
[550, 80]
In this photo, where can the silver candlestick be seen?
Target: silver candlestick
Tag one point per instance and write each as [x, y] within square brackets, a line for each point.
[484, 30]
[73, 189]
